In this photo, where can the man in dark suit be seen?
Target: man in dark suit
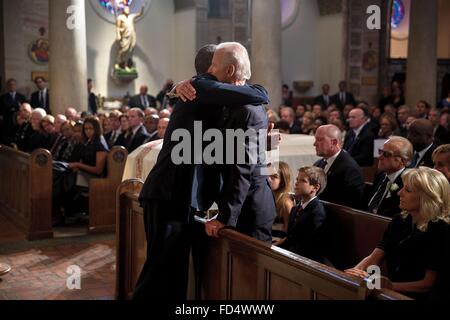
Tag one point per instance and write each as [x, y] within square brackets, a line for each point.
[394, 158]
[9, 105]
[440, 133]
[246, 201]
[343, 97]
[40, 98]
[345, 183]
[166, 195]
[359, 138]
[324, 99]
[420, 134]
[288, 116]
[138, 132]
[143, 99]
[92, 99]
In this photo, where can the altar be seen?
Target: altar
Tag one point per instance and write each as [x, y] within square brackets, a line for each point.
[296, 150]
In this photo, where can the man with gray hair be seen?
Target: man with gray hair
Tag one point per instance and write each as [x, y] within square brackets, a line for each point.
[345, 183]
[395, 156]
[246, 201]
[166, 194]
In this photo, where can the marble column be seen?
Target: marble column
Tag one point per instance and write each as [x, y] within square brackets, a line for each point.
[266, 48]
[421, 70]
[68, 55]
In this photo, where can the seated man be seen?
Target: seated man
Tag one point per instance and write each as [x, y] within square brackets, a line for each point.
[441, 159]
[161, 129]
[420, 134]
[305, 235]
[359, 139]
[345, 183]
[394, 158]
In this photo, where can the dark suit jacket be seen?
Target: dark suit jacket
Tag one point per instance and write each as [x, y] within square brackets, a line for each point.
[345, 183]
[441, 136]
[137, 140]
[321, 101]
[349, 99]
[135, 102]
[426, 160]
[92, 103]
[306, 234]
[8, 109]
[35, 103]
[246, 201]
[362, 149]
[389, 206]
[296, 128]
[173, 181]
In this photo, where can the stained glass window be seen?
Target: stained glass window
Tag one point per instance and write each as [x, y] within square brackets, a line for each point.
[398, 13]
[108, 5]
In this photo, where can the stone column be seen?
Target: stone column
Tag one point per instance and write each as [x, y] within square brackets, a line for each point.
[266, 48]
[421, 70]
[68, 55]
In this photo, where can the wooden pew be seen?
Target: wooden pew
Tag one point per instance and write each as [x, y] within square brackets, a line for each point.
[102, 193]
[235, 266]
[369, 172]
[347, 227]
[131, 244]
[26, 191]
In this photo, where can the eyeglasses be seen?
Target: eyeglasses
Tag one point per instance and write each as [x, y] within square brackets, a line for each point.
[386, 154]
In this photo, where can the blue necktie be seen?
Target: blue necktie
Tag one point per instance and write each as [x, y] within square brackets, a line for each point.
[414, 161]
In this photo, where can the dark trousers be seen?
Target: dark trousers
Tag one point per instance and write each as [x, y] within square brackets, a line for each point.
[165, 272]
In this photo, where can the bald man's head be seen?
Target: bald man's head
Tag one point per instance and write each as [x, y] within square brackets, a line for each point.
[328, 140]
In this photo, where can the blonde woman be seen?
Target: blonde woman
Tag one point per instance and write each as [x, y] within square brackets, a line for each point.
[409, 243]
[280, 183]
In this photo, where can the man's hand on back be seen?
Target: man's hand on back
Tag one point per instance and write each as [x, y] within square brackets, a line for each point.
[185, 91]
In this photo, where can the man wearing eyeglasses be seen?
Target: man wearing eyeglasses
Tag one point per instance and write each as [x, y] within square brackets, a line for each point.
[394, 158]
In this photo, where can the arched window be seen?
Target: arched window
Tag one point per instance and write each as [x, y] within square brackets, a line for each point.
[219, 9]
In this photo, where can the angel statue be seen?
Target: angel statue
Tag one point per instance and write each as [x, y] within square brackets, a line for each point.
[125, 36]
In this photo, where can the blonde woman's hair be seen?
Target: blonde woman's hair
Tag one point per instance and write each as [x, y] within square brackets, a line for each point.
[433, 190]
[281, 195]
[285, 176]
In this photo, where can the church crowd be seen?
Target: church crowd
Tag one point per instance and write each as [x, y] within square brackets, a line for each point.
[411, 185]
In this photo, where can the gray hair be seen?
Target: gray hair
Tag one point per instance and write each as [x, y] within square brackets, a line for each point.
[236, 54]
[39, 111]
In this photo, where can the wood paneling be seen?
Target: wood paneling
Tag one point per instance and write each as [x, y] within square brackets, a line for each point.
[236, 266]
[102, 193]
[26, 191]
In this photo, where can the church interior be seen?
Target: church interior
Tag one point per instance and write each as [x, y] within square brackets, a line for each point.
[87, 93]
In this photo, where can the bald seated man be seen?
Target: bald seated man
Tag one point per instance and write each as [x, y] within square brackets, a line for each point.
[143, 100]
[345, 183]
[420, 134]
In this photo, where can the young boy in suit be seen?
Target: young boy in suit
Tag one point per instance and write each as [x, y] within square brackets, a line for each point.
[306, 233]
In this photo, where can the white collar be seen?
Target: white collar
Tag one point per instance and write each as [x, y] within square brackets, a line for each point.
[304, 205]
[393, 176]
[136, 129]
[330, 161]
[358, 130]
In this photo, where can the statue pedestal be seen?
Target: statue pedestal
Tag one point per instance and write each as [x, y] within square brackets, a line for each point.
[124, 75]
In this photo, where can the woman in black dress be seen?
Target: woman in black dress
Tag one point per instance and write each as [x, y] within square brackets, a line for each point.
[409, 244]
[93, 159]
